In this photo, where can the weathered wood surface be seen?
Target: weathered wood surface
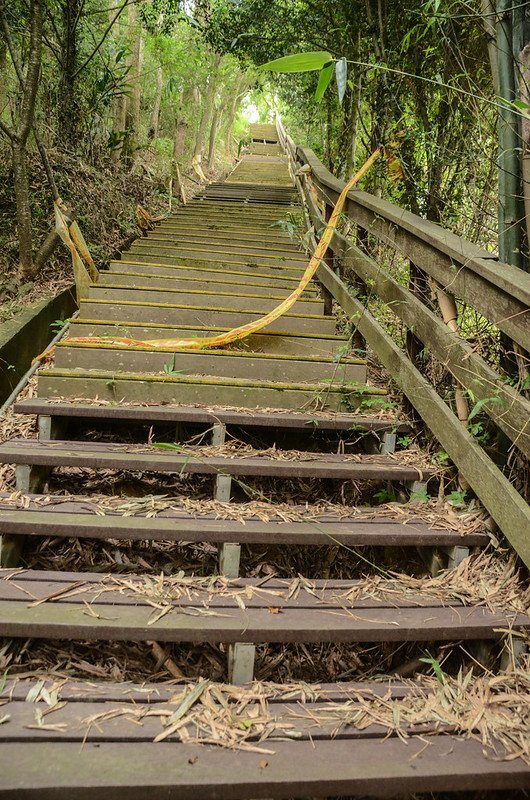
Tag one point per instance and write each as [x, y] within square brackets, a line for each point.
[97, 455]
[82, 518]
[507, 407]
[504, 503]
[241, 417]
[35, 603]
[500, 293]
[151, 388]
[168, 771]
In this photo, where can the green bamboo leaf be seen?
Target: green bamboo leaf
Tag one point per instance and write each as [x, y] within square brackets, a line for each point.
[323, 81]
[341, 74]
[299, 62]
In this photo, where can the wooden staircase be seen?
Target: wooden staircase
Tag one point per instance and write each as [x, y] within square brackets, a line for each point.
[287, 405]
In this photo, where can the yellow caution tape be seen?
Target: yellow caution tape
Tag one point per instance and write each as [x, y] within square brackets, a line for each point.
[252, 327]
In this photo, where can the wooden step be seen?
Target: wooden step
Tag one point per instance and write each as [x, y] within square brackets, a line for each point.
[106, 455]
[286, 277]
[221, 281]
[151, 250]
[202, 230]
[240, 392]
[276, 267]
[225, 244]
[40, 604]
[82, 518]
[328, 752]
[266, 342]
[216, 240]
[226, 363]
[202, 316]
[290, 420]
[243, 238]
[203, 298]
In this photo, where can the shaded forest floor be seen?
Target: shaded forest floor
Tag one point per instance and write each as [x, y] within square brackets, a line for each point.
[104, 199]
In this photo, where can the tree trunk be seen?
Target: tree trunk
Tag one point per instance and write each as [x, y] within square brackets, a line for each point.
[68, 105]
[206, 109]
[24, 227]
[155, 114]
[213, 136]
[3, 76]
[132, 106]
[236, 101]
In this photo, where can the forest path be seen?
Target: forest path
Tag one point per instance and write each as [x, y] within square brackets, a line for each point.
[257, 445]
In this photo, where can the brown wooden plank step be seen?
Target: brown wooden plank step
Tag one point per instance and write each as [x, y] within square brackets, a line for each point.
[203, 316]
[226, 281]
[72, 717]
[40, 604]
[240, 417]
[266, 342]
[74, 691]
[261, 302]
[82, 519]
[226, 363]
[285, 277]
[177, 771]
[157, 388]
[104, 455]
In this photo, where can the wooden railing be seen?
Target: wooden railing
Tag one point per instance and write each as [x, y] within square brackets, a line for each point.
[456, 269]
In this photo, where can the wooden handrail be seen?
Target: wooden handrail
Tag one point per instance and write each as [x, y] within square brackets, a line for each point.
[500, 292]
[465, 272]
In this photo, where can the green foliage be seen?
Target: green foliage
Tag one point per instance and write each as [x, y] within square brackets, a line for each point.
[326, 74]
[299, 62]
[422, 495]
[436, 667]
[458, 498]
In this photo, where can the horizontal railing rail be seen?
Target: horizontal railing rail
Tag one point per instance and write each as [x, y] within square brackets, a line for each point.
[499, 292]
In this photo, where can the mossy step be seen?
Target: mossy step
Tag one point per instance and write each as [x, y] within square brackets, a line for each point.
[286, 278]
[152, 249]
[126, 311]
[242, 393]
[214, 243]
[218, 363]
[224, 282]
[262, 303]
[276, 267]
[236, 229]
[267, 341]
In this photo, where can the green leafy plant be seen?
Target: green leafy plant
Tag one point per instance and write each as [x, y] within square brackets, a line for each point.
[169, 368]
[405, 441]
[384, 496]
[457, 498]
[422, 495]
[58, 324]
[314, 61]
[436, 667]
